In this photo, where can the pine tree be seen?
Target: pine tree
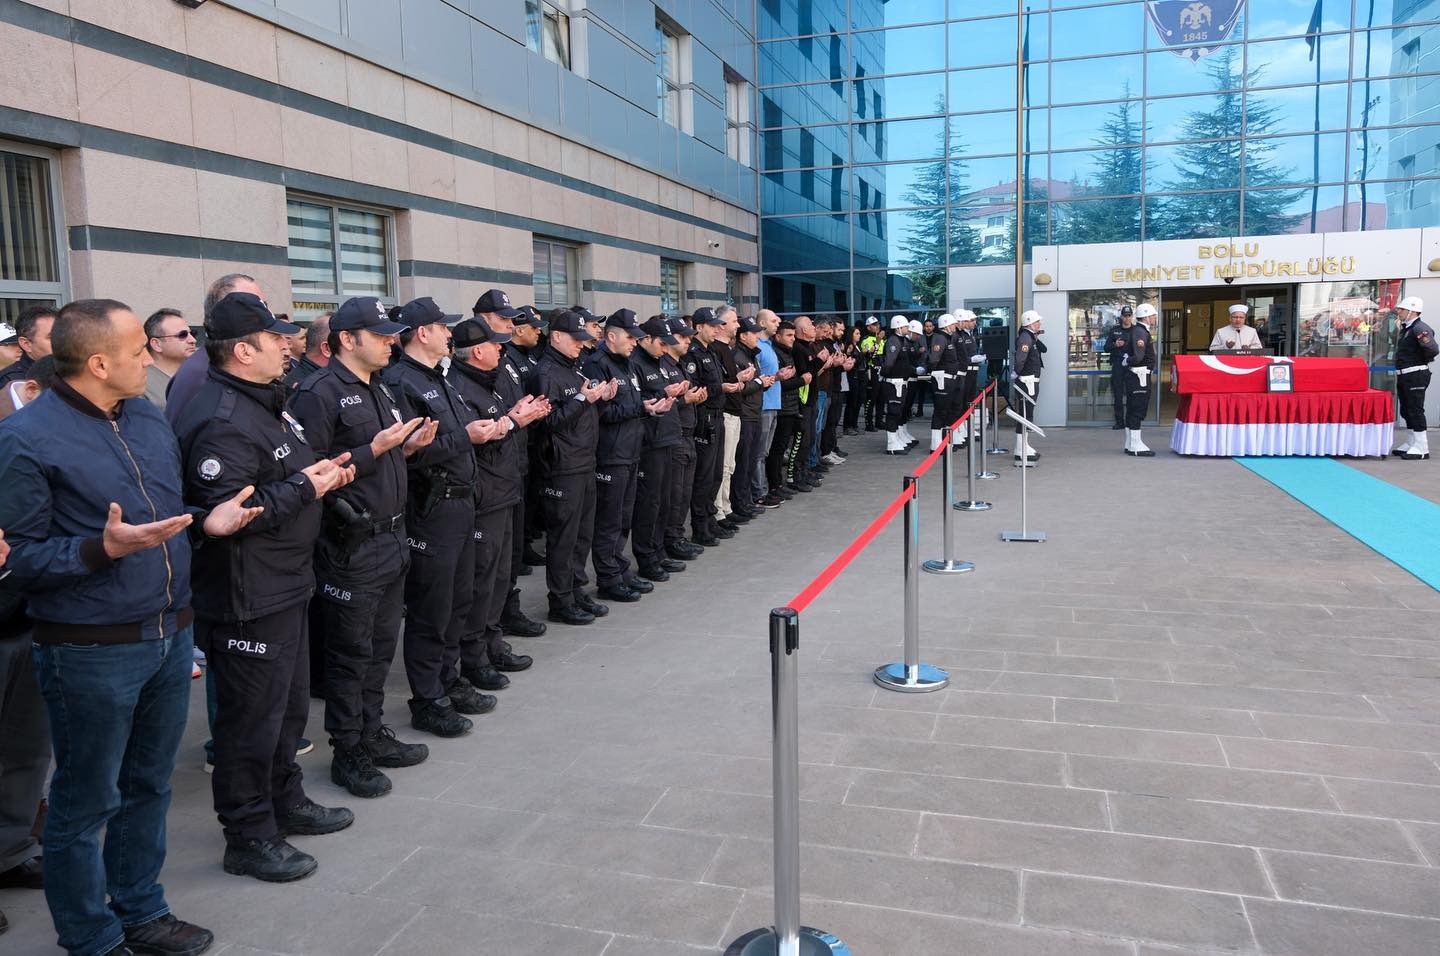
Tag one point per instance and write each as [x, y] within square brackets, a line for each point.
[937, 186]
[1118, 172]
[1215, 165]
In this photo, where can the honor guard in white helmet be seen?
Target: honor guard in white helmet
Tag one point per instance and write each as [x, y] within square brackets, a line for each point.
[1415, 349]
[896, 368]
[1139, 364]
[1025, 370]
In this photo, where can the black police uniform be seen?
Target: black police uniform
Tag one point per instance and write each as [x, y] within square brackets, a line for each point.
[439, 525]
[1138, 352]
[1415, 349]
[617, 459]
[682, 456]
[299, 372]
[943, 362]
[662, 435]
[1027, 362]
[709, 437]
[780, 459]
[525, 362]
[896, 367]
[972, 359]
[1115, 345]
[567, 474]
[250, 589]
[362, 555]
[747, 403]
[499, 488]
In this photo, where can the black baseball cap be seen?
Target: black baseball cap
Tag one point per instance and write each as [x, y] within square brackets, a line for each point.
[680, 327]
[495, 300]
[748, 324]
[624, 319]
[572, 323]
[586, 315]
[475, 331]
[364, 312]
[529, 315]
[243, 313]
[706, 316]
[424, 311]
[1126, 310]
[656, 326]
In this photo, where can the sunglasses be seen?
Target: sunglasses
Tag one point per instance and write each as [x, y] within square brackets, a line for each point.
[182, 334]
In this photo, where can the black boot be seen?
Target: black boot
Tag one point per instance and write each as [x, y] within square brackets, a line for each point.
[273, 861]
[589, 605]
[311, 819]
[467, 700]
[168, 936]
[388, 751]
[485, 678]
[439, 717]
[514, 622]
[354, 769]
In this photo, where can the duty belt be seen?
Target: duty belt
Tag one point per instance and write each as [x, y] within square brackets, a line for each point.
[1413, 368]
[457, 491]
[898, 382]
[393, 523]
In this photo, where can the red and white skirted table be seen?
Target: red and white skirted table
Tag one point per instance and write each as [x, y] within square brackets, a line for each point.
[1226, 411]
[1358, 424]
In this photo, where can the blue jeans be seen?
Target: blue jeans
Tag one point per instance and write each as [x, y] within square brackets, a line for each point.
[822, 404]
[117, 713]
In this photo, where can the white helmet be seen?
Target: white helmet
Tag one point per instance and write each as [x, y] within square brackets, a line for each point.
[1411, 303]
[1029, 317]
[1145, 311]
[7, 332]
[871, 321]
[964, 315]
[916, 327]
[899, 322]
[947, 319]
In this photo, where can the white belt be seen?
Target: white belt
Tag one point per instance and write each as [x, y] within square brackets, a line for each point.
[898, 382]
[1413, 368]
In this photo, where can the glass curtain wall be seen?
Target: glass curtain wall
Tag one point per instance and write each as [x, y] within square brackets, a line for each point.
[889, 131]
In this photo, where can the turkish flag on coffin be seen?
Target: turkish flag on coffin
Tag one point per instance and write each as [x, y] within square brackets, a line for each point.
[1230, 374]
[1370, 407]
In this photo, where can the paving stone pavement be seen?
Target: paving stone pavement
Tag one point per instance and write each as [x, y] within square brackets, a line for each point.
[1199, 719]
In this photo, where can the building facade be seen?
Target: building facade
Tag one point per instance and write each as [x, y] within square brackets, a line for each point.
[598, 153]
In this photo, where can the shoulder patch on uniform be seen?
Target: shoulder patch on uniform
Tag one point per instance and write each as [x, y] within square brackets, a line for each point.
[210, 468]
[1024, 348]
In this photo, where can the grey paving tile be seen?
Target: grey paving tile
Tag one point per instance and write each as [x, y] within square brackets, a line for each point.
[1302, 830]
[440, 930]
[980, 798]
[1077, 666]
[575, 896]
[1136, 911]
[1356, 733]
[1295, 929]
[1403, 801]
[1356, 884]
[555, 794]
[1237, 622]
[1080, 739]
[1251, 674]
[637, 946]
[731, 814]
[874, 879]
[1116, 856]
[1146, 650]
[435, 824]
[1156, 778]
[1094, 688]
[952, 760]
[875, 930]
[622, 847]
[1332, 760]
[1234, 723]
[868, 722]
[1427, 837]
[1244, 698]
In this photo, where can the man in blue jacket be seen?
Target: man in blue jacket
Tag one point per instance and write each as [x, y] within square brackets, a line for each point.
[110, 602]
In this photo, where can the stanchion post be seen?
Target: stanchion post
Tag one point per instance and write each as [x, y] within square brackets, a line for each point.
[787, 937]
[977, 433]
[1024, 534]
[995, 448]
[910, 676]
[948, 564]
[972, 503]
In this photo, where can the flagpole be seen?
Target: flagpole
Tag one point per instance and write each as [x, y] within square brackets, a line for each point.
[1019, 161]
[1315, 138]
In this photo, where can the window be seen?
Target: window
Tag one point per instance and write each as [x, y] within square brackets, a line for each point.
[993, 242]
[995, 221]
[31, 266]
[337, 252]
[667, 74]
[734, 282]
[547, 31]
[738, 127]
[672, 287]
[555, 274]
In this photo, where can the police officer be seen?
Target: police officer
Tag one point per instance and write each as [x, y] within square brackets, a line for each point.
[709, 430]
[661, 385]
[896, 367]
[617, 456]
[484, 656]
[1415, 349]
[362, 554]
[943, 361]
[870, 348]
[972, 362]
[1139, 362]
[567, 468]
[523, 352]
[516, 376]
[251, 589]
[439, 517]
[1115, 347]
[682, 458]
[1026, 368]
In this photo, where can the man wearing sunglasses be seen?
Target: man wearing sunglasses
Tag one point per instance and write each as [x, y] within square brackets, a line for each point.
[170, 342]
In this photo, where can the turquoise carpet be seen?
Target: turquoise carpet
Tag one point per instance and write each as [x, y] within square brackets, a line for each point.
[1391, 520]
